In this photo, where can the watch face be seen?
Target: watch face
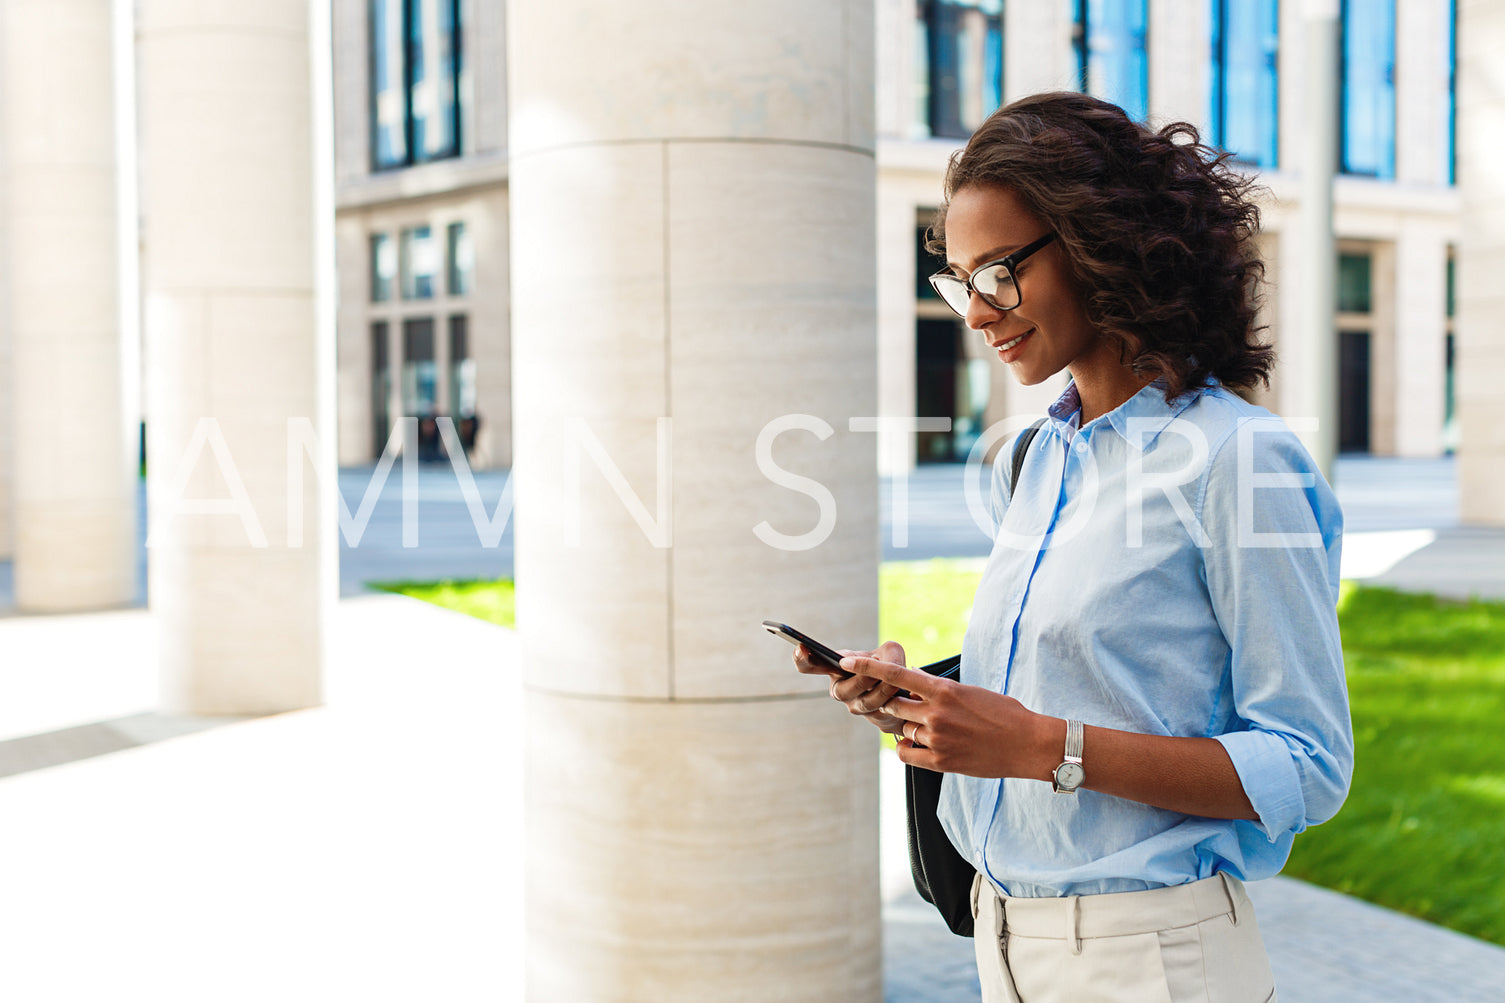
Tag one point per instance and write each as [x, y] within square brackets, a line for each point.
[1070, 776]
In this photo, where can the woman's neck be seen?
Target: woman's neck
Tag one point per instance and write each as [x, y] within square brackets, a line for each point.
[1103, 390]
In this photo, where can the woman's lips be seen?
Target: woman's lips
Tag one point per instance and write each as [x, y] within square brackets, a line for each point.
[1014, 347]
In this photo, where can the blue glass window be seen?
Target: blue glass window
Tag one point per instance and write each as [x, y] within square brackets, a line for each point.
[958, 65]
[461, 258]
[1369, 88]
[1243, 112]
[415, 81]
[433, 55]
[383, 267]
[388, 85]
[418, 263]
[1109, 44]
[1452, 154]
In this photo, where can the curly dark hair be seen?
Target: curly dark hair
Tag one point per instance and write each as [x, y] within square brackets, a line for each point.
[1157, 229]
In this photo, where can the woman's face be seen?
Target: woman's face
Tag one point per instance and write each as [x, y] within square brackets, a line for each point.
[1048, 331]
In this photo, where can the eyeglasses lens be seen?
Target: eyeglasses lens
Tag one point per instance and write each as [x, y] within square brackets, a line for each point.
[997, 287]
[953, 290]
[995, 284]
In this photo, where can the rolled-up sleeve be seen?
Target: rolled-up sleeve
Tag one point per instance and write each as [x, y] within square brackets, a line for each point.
[1274, 534]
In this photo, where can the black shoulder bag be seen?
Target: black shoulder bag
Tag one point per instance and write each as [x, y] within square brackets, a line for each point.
[942, 876]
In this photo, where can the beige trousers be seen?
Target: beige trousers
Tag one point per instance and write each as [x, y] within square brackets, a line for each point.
[1196, 941]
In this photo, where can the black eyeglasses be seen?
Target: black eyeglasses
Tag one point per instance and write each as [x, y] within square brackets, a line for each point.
[994, 281]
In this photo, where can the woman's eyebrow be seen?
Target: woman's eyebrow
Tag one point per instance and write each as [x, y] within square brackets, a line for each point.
[986, 256]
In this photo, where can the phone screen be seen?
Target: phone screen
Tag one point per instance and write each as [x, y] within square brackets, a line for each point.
[821, 652]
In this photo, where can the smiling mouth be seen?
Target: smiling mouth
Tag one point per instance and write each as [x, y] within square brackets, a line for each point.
[1011, 343]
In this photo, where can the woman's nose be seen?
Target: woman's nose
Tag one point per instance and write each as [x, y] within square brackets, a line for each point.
[980, 312]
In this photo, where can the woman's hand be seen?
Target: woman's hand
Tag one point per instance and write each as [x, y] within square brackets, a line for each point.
[952, 728]
[863, 696]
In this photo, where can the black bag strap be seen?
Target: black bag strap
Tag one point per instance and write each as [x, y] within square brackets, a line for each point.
[1020, 448]
[942, 876]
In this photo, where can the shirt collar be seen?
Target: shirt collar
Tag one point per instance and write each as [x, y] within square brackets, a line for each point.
[1148, 408]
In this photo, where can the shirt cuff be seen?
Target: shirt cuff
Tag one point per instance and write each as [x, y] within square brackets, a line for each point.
[1265, 768]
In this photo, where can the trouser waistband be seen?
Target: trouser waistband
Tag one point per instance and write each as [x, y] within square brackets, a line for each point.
[1118, 914]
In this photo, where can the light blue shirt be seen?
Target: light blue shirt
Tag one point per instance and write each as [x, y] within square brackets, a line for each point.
[1168, 569]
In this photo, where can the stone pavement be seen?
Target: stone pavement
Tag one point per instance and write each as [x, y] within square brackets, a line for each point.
[371, 849]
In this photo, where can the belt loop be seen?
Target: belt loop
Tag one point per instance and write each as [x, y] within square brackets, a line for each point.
[1000, 915]
[1073, 916]
[976, 885]
[1232, 899]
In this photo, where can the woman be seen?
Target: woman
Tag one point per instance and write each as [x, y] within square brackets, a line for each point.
[1151, 701]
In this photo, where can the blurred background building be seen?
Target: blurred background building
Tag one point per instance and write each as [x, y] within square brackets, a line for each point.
[422, 198]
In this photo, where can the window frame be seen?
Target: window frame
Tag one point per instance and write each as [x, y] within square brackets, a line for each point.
[1267, 156]
[957, 97]
[410, 15]
[1082, 50]
[1385, 171]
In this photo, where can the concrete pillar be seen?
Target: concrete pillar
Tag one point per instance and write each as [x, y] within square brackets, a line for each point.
[354, 384]
[74, 497]
[490, 331]
[1319, 250]
[1384, 348]
[5, 396]
[692, 199]
[1288, 281]
[1290, 95]
[1420, 341]
[1421, 94]
[895, 98]
[1180, 55]
[1037, 48]
[896, 322]
[1480, 337]
[239, 341]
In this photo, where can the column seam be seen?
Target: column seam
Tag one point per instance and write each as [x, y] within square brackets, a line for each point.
[706, 140]
[668, 413]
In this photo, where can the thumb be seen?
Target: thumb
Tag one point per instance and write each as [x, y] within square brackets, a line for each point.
[892, 651]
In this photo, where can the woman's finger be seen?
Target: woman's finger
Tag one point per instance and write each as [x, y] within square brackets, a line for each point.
[863, 695]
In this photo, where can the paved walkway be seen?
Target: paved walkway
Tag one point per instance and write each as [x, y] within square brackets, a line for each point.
[372, 849]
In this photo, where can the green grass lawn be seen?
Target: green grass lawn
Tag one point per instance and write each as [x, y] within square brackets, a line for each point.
[492, 601]
[1423, 830]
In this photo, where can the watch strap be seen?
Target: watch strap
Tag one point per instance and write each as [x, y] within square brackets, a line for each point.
[1074, 733]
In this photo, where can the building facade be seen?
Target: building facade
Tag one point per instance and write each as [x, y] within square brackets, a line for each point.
[1233, 70]
[421, 224]
[422, 199]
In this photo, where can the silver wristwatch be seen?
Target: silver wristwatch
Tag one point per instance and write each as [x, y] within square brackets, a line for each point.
[1070, 775]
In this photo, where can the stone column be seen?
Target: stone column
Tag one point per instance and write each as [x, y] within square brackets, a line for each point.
[896, 323]
[1037, 48]
[1318, 346]
[6, 500]
[1419, 340]
[1180, 62]
[74, 494]
[692, 206]
[238, 342]
[1480, 337]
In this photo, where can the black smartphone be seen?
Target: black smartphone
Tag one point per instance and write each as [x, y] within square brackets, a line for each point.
[946, 668]
[820, 651]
